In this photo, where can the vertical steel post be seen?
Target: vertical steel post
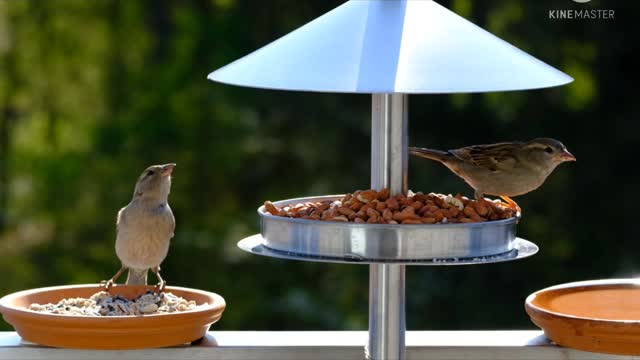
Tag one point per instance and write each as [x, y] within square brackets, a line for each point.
[389, 153]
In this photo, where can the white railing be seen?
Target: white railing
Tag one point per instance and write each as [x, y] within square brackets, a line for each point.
[335, 345]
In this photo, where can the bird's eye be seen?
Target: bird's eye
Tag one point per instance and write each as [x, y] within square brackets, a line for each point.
[548, 150]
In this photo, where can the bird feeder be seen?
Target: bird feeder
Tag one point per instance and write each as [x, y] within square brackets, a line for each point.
[389, 49]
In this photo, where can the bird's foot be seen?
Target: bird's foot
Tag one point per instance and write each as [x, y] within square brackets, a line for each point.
[161, 283]
[160, 286]
[106, 284]
[513, 205]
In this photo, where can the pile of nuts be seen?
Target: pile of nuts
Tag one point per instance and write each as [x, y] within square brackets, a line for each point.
[378, 207]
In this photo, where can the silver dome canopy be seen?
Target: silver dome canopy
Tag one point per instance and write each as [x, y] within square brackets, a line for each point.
[382, 46]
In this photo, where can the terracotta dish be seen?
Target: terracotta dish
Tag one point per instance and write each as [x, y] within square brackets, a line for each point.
[113, 332]
[599, 316]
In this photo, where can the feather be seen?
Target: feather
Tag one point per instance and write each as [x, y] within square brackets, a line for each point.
[495, 157]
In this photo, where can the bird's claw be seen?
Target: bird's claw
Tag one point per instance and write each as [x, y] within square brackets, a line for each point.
[514, 206]
[160, 286]
[106, 284]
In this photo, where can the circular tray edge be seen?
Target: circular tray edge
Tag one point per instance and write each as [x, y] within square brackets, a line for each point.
[522, 249]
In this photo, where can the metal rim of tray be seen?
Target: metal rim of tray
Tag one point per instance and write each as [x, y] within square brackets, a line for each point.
[384, 243]
[521, 249]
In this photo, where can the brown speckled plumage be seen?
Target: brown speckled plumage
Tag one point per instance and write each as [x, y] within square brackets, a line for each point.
[503, 169]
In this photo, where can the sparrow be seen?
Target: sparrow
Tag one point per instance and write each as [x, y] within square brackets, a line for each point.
[505, 169]
[145, 227]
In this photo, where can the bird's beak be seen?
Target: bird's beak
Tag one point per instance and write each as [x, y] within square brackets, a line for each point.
[567, 156]
[167, 169]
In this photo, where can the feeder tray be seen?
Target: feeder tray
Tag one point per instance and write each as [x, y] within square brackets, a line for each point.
[256, 245]
[109, 332]
[426, 244]
[599, 316]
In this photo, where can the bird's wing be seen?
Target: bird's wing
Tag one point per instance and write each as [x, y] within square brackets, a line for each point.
[495, 157]
[122, 218]
[172, 220]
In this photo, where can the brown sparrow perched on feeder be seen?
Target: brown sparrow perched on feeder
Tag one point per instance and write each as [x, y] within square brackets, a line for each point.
[145, 227]
[503, 169]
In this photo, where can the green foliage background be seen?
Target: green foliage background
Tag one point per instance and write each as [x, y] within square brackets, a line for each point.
[92, 92]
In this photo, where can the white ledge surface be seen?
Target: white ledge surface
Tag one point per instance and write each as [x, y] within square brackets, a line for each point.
[449, 345]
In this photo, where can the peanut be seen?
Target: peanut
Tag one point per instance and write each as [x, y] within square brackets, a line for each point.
[384, 194]
[392, 204]
[417, 205]
[272, 209]
[356, 205]
[346, 211]
[433, 208]
[387, 214]
[411, 221]
[469, 211]
[481, 208]
[372, 213]
[367, 196]
[323, 206]
[420, 197]
[478, 218]
[407, 213]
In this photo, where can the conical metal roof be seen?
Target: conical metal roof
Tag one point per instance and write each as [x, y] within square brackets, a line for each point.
[390, 46]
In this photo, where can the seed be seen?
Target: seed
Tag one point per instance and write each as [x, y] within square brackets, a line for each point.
[149, 308]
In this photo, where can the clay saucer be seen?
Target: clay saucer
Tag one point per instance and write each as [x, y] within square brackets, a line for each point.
[600, 316]
[113, 332]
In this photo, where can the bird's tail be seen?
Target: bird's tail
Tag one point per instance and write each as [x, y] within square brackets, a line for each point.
[137, 277]
[436, 155]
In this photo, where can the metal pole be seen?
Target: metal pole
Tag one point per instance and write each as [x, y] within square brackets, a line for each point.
[389, 141]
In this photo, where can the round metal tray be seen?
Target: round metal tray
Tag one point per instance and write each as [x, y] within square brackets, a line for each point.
[521, 249]
[372, 243]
